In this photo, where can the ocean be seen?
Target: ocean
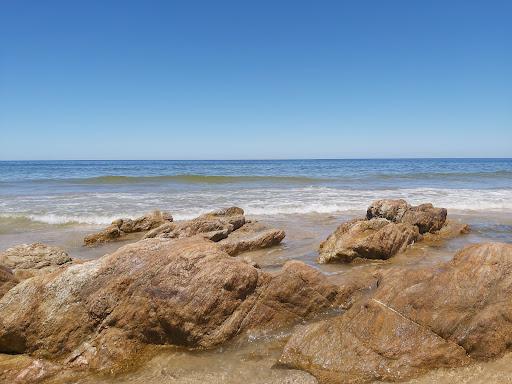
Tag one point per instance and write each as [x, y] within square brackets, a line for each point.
[96, 192]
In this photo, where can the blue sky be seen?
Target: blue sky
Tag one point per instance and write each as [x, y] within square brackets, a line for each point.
[255, 79]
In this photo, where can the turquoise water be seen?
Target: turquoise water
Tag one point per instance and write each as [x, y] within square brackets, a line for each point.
[95, 192]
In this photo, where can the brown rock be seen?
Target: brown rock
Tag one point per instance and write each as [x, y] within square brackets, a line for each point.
[214, 226]
[27, 260]
[144, 223]
[7, 280]
[425, 217]
[120, 227]
[155, 291]
[251, 237]
[392, 210]
[420, 319]
[369, 239]
[372, 342]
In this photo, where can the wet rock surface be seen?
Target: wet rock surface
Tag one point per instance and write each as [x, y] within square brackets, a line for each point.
[156, 291]
[390, 226]
[27, 260]
[416, 320]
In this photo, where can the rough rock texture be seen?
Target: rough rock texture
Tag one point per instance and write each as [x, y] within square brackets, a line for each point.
[214, 226]
[119, 228]
[156, 291]
[390, 226]
[393, 210]
[250, 237]
[27, 260]
[441, 316]
[425, 216]
[371, 239]
[226, 226]
[7, 280]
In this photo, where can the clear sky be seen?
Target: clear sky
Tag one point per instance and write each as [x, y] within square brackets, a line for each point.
[255, 79]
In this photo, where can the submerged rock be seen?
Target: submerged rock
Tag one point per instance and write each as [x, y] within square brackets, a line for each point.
[390, 226]
[156, 291]
[441, 316]
[119, 228]
[27, 260]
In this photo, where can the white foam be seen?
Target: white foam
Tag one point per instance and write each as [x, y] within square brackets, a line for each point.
[102, 209]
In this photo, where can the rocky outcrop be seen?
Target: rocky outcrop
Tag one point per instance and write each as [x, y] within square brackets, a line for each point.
[27, 260]
[119, 228]
[156, 291]
[369, 239]
[416, 320]
[7, 280]
[250, 237]
[390, 226]
[228, 227]
[214, 226]
[425, 216]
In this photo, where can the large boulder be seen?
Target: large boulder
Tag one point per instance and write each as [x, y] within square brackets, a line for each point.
[120, 227]
[390, 226]
[419, 319]
[184, 292]
[27, 260]
[370, 239]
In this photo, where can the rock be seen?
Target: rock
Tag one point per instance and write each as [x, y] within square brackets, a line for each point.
[120, 227]
[251, 237]
[27, 260]
[425, 217]
[392, 210]
[156, 291]
[144, 223]
[419, 319]
[390, 226]
[449, 230]
[214, 225]
[368, 344]
[7, 280]
[377, 238]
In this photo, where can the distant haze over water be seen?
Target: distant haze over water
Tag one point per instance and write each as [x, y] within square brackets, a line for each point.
[95, 192]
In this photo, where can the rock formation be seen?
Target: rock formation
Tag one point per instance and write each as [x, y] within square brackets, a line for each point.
[27, 260]
[119, 228]
[215, 226]
[416, 320]
[390, 226]
[156, 291]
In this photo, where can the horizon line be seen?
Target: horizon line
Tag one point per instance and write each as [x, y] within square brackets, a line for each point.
[275, 159]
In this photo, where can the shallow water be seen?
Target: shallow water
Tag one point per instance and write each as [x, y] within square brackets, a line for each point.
[59, 203]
